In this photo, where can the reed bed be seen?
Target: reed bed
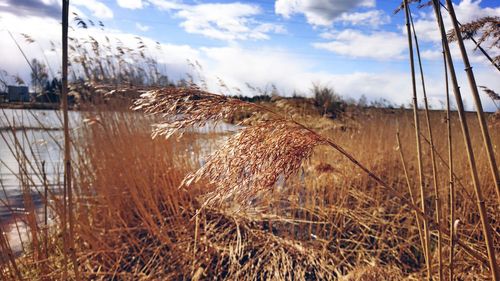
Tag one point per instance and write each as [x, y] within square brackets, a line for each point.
[136, 218]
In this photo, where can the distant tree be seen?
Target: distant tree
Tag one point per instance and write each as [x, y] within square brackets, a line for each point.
[297, 95]
[327, 100]
[163, 81]
[182, 83]
[274, 91]
[351, 101]
[258, 98]
[382, 103]
[362, 102]
[3, 81]
[18, 80]
[39, 76]
[51, 90]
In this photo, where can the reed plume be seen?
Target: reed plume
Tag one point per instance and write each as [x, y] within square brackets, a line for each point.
[255, 158]
[489, 27]
[492, 95]
[251, 160]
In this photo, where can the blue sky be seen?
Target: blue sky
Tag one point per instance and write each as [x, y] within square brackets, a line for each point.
[357, 47]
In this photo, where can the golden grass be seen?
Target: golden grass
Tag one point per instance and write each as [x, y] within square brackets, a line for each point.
[319, 217]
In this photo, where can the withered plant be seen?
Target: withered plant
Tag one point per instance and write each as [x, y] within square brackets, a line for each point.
[233, 169]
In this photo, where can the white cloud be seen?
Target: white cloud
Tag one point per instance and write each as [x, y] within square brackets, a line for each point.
[432, 54]
[172, 58]
[50, 2]
[141, 27]
[167, 5]
[381, 45]
[12, 59]
[98, 9]
[373, 18]
[384, 45]
[319, 12]
[261, 68]
[222, 21]
[130, 4]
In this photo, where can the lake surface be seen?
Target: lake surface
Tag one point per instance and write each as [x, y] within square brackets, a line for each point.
[37, 136]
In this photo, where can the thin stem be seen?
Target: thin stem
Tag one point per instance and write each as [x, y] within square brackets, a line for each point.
[418, 144]
[412, 197]
[45, 212]
[450, 167]
[67, 140]
[378, 180]
[433, 156]
[7, 249]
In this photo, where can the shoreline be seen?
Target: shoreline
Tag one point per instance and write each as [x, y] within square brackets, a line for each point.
[29, 105]
[29, 128]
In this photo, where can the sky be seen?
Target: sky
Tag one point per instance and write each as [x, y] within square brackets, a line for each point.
[357, 47]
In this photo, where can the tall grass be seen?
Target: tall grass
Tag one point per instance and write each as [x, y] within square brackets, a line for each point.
[329, 220]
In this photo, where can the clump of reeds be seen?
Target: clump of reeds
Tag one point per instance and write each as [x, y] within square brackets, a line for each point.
[278, 146]
[225, 167]
[132, 221]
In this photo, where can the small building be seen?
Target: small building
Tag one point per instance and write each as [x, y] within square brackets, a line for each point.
[18, 94]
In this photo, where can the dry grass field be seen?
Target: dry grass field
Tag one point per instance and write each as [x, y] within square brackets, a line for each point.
[284, 207]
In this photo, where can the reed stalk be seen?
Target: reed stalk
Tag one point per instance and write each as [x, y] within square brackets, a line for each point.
[451, 182]
[418, 144]
[470, 153]
[433, 155]
[6, 249]
[410, 191]
[425, 217]
[200, 107]
[477, 100]
[45, 211]
[67, 141]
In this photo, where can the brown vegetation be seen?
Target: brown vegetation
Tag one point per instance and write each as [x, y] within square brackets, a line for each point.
[326, 220]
